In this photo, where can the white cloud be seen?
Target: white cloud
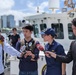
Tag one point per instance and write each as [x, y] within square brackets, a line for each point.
[43, 6]
[6, 9]
[6, 4]
[18, 14]
[33, 8]
[22, 1]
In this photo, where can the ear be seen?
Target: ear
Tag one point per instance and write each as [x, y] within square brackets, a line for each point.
[31, 32]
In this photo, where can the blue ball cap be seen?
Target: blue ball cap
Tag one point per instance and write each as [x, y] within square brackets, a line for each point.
[49, 31]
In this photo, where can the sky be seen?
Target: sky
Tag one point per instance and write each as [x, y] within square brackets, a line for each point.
[22, 8]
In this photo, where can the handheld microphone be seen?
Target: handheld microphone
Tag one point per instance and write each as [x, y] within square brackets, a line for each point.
[40, 47]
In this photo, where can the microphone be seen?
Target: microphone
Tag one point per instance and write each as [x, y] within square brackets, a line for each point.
[40, 47]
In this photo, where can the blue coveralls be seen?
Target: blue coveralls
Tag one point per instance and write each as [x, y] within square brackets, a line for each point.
[54, 67]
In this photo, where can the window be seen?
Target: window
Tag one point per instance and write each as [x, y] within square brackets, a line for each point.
[70, 32]
[36, 31]
[58, 27]
[43, 27]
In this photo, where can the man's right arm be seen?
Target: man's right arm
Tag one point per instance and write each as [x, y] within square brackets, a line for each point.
[68, 58]
[65, 59]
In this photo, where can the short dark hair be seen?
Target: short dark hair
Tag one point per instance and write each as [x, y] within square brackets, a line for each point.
[14, 29]
[74, 22]
[28, 26]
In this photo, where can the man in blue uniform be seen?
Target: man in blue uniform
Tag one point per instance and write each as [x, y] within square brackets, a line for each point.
[53, 67]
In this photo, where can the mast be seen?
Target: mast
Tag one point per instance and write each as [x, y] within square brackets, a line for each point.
[37, 9]
[38, 6]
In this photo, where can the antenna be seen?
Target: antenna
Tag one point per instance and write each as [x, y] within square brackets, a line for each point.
[37, 6]
[37, 9]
